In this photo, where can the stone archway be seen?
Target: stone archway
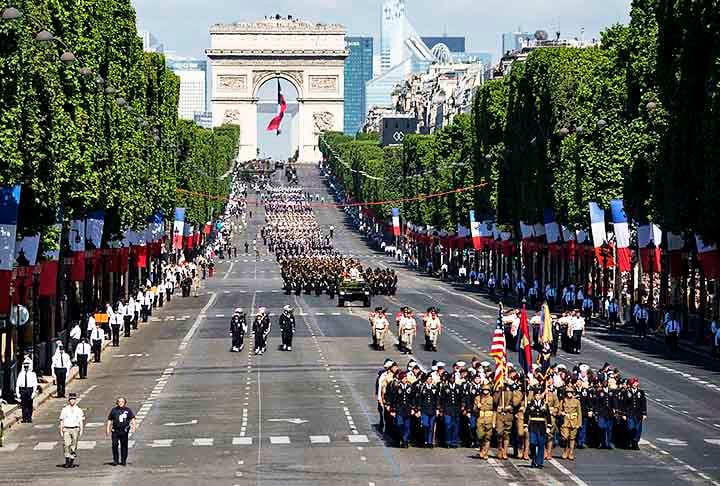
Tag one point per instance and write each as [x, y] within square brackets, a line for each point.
[309, 56]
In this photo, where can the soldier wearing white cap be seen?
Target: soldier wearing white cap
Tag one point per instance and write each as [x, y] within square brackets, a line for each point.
[238, 328]
[287, 328]
[26, 388]
[261, 328]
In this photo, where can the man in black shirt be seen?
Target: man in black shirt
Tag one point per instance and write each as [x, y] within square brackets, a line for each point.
[120, 422]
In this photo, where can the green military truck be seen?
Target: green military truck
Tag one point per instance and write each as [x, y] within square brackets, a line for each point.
[351, 290]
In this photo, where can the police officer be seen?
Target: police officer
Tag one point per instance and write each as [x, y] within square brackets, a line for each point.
[82, 356]
[61, 364]
[571, 412]
[128, 311]
[634, 405]
[484, 410]
[261, 329]
[120, 422]
[238, 328]
[641, 320]
[287, 328]
[537, 418]
[115, 323]
[26, 388]
[96, 338]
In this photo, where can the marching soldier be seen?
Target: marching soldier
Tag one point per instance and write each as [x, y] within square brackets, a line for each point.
[606, 409]
[238, 328]
[61, 364]
[484, 410]
[402, 408]
[261, 329]
[553, 404]
[96, 338]
[72, 422]
[426, 402]
[407, 329]
[82, 356]
[450, 403]
[287, 328]
[115, 323]
[522, 444]
[503, 401]
[378, 327]
[571, 412]
[538, 421]
[384, 380]
[471, 391]
[433, 329]
[634, 409]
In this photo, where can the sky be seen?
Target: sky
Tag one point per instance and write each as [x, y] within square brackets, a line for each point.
[182, 25]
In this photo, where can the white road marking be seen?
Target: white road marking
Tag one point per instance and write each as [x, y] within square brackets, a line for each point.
[281, 439]
[227, 274]
[161, 443]
[672, 442]
[242, 440]
[86, 444]
[43, 426]
[45, 446]
[203, 442]
[567, 473]
[358, 438]
[319, 439]
[713, 441]
[8, 447]
[196, 324]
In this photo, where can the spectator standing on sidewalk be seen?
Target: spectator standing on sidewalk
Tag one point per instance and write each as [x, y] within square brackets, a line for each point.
[120, 422]
[672, 331]
[72, 422]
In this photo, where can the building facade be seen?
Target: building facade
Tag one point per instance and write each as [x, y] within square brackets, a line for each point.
[512, 41]
[455, 44]
[358, 70]
[150, 42]
[193, 86]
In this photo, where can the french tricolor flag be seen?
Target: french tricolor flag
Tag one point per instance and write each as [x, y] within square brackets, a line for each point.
[708, 257]
[76, 242]
[9, 205]
[275, 123]
[475, 232]
[649, 239]
[396, 221]
[599, 235]
[622, 234]
[178, 228]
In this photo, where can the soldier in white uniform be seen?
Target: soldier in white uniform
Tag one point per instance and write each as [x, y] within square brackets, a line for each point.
[61, 364]
[26, 389]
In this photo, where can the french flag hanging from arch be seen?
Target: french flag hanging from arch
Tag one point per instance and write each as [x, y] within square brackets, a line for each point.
[275, 123]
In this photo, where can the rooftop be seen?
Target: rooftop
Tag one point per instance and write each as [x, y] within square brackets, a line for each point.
[278, 24]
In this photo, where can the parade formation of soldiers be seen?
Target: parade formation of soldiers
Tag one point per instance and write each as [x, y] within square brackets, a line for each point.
[471, 405]
[309, 262]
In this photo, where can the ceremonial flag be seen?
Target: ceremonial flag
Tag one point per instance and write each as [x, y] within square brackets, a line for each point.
[76, 241]
[649, 239]
[546, 336]
[708, 257]
[396, 221]
[622, 234]
[49, 268]
[675, 245]
[523, 346]
[9, 204]
[275, 123]
[94, 229]
[187, 236]
[599, 236]
[475, 232]
[26, 250]
[499, 352]
[552, 228]
[178, 229]
[142, 250]
[155, 232]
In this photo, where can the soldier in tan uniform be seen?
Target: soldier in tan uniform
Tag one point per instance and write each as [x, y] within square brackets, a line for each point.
[503, 400]
[553, 404]
[519, 402]
[484, 410]
[571, 411]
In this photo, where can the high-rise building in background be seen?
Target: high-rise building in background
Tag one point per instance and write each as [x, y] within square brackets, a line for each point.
[358, 70]
[193, 86]
[402, 52]
[514, 40]
[150, 42]
[455, 44]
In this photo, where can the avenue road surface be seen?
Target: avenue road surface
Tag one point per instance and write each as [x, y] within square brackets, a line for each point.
[308, 417]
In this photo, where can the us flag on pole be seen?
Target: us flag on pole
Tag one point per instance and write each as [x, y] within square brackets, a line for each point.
[499, 352]
[275, 123]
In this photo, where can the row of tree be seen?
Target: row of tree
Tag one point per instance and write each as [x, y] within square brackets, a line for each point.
[633, 118]
[101, 132]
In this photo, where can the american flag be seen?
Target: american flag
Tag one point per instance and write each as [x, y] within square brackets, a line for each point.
[499, 352]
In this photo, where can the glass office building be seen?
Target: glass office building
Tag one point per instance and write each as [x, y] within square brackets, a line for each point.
[358, 70]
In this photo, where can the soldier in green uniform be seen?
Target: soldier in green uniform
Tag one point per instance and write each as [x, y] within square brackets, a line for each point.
[503, 400]
[571, 412]
[553, 404]
[484, 410]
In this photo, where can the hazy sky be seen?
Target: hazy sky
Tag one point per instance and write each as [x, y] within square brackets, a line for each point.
[182, 25]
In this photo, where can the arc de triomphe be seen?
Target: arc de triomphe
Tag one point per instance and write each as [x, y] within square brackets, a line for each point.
[310, 56]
